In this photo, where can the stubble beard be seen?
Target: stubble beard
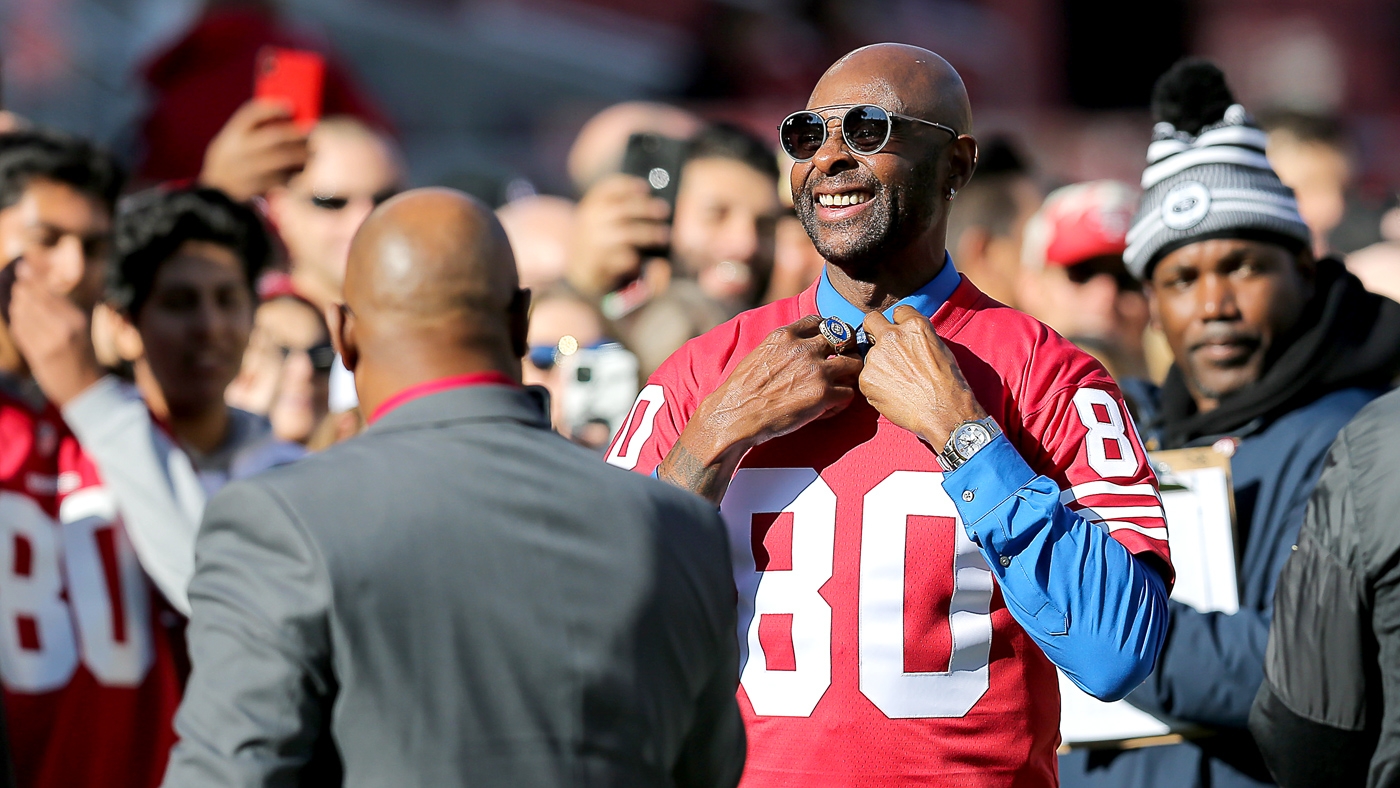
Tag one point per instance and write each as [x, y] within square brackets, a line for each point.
[861, 245]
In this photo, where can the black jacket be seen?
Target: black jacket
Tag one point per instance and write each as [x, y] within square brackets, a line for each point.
[1328, 712]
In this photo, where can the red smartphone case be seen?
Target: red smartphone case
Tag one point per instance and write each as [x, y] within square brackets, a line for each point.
[293, 77]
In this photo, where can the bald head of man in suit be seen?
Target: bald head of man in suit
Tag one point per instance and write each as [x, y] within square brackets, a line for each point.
[431, 291]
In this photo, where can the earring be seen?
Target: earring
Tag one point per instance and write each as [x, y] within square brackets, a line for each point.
[951, 193]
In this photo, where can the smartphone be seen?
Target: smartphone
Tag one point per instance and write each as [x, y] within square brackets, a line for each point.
[657, 160]
[293, 77]
[599, 384]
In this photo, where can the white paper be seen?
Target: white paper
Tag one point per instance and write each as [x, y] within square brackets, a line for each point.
[1203, 554]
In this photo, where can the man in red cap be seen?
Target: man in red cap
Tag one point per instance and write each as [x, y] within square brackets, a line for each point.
[1073, 278]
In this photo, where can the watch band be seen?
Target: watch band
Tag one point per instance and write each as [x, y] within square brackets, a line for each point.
[951, 459]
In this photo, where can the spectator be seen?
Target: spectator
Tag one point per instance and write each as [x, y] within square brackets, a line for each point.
[352, 168]
[561, 324]
[726, 207]
[721, 243]
[540, 228]
[89, 701]
[1073, 278]
[517, 635]
[1327, 712]
[258, 148]
[1378, 265]
[188, 261]
[986, 225]
[183, 289]
[207, 74]
[602, 142]
[1275, 352]
[286, 370]
[1313, 157]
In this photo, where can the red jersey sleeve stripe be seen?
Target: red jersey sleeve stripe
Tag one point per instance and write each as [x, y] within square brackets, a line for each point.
[1157, 532]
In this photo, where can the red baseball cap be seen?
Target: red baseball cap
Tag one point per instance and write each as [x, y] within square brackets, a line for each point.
[1079, 222]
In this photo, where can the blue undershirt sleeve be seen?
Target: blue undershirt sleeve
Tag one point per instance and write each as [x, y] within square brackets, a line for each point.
[1097, 612]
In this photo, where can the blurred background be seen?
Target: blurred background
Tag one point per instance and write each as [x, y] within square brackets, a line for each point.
[487, 95]
[506, 99]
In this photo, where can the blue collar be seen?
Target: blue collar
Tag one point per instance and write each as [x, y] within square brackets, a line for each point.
[926, 299]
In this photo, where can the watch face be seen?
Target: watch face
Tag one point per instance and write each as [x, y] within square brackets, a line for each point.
[969, 438]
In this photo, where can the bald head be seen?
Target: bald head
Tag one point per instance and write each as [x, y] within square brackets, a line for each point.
[431, 292]
[429, 255]
[880, 218]
[906, 79]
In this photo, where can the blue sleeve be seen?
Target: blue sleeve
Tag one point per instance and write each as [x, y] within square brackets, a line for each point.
[1099, 613]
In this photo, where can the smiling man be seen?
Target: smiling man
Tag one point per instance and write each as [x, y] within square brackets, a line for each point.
[917, 480]
[1275, 352]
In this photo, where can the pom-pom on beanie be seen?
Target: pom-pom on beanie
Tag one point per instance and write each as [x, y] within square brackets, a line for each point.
[1206, 174]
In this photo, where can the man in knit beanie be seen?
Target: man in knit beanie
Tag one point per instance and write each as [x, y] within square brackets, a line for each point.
[1274, 352]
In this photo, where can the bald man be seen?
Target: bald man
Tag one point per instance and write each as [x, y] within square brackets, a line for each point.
[459, 597]
[933, 500]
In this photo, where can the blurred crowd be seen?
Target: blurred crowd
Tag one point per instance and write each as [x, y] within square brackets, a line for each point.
[176, 320]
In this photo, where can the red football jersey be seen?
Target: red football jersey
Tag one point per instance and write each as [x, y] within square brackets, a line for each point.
[91, 657]
[876, 647]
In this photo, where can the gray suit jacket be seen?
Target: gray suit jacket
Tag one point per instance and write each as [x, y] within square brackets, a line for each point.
[460, 597]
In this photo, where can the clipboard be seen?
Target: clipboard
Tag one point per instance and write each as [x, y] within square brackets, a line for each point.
[1196, 486]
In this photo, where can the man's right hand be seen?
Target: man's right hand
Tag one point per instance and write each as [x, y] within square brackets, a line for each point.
[259, 148]
[614, 221]
[787, 382]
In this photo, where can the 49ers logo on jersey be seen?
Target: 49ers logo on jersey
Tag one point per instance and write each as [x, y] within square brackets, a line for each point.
[103, 620]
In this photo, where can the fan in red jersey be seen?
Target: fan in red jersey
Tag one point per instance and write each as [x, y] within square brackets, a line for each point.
[89, 652]
[927, 520]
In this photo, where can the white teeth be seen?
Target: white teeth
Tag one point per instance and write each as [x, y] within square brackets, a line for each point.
[848, 198]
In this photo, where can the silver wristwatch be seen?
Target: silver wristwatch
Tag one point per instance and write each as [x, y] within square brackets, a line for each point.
[967, 439]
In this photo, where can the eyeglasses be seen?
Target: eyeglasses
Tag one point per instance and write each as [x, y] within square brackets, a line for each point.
[865, 127]
[544, 357]
[1083, 273]
[322, 356]
[332, 202]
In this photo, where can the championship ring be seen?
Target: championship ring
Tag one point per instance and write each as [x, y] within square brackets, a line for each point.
[838, 333]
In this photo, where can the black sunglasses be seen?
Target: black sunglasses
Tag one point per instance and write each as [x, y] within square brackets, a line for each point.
[322, 356]
[865, 127]
[1083, 273]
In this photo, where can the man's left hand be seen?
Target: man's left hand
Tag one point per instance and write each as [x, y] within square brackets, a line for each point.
[911, 377]
[54, 336]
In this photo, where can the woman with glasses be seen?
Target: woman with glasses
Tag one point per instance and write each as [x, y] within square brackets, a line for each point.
[286, 369]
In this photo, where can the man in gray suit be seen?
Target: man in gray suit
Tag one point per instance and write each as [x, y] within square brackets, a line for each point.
[459, 597]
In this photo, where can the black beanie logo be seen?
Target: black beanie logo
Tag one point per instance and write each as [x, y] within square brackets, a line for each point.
[1186, 205]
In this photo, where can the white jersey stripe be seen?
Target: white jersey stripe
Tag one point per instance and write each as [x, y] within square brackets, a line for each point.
[1080, 491]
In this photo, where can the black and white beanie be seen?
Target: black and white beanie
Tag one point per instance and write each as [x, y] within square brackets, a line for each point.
[1206, 174]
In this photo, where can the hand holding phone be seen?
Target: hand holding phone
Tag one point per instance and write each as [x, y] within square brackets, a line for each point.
[658, 161]
[258, 148]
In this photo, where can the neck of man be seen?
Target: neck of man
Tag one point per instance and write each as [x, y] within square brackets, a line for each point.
[880, 284]
[203, 429]
[382, 373]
